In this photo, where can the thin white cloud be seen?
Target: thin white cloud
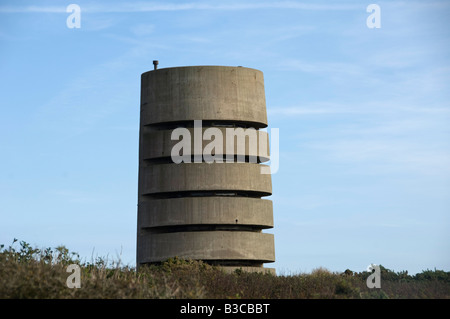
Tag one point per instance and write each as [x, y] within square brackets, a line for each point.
[152, 7]
[388, 137]
[141, 6]
[75, 196]
[146, 7]
[323, 108]
[142, 30]
[378, 107]
[298, 111]
[414, 144]
[32, 9]
[322, 68]
[388, 155]
[98, 24]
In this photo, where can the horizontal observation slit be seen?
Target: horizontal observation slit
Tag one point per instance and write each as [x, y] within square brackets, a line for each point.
[196, 228]
[235, 263]
[216, 193]
[220, 159]
[224, 263]
[205, 123]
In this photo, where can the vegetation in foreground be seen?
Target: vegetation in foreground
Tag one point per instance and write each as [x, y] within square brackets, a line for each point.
[28, 272]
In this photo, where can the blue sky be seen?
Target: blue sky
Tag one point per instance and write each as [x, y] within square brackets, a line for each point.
[363, 116]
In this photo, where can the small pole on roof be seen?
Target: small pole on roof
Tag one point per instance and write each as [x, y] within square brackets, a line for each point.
[155, 64]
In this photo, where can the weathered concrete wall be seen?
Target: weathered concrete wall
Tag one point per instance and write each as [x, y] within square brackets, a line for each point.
[163, 178]
[203, 93]
[209, 245]
[207, 211]
[159, 144]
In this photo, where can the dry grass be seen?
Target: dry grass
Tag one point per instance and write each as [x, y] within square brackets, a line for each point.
[35, 273]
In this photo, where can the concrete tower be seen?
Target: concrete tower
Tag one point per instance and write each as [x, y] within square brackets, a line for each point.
[200, 210]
